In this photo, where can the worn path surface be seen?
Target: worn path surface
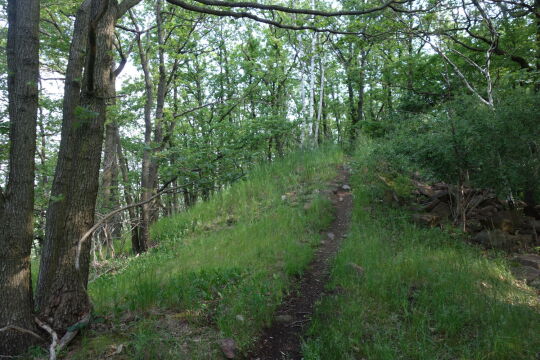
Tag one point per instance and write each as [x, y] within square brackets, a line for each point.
[282, 340]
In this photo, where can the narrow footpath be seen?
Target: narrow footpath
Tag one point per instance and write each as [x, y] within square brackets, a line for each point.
[282, 340]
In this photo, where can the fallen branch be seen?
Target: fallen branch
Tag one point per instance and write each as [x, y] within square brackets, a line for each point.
[57, 346]
[54, 335]
[20, 329]
[113, 213]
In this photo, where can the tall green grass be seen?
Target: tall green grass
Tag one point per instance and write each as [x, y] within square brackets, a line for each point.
[221, 268]
[424, 294]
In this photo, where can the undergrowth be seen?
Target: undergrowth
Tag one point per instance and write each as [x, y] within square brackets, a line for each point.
[423, 293]
[220, 269]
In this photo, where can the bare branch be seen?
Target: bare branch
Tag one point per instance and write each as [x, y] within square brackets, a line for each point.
[57, 346]
[290, 10]
[240, 15]
[20, 329]
[112, 213]
[184, 113]
[54, 336]
[125, 6]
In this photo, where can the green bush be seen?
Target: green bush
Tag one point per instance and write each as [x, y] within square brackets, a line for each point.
[495, 148]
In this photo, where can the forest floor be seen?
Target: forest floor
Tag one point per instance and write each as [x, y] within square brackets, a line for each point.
[285, 265]
[283, 339]
[221, 270]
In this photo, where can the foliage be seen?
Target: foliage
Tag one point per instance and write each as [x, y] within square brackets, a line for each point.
[493, 148]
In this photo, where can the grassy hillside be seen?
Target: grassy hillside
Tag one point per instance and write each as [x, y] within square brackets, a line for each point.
[219, 270]
[423, 294]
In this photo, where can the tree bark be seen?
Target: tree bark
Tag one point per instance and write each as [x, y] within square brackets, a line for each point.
[17, 203]
[128, 195]
[109, 184]
[150, 166]
[61, 293]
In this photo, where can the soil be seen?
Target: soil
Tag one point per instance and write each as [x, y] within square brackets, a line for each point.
[283, 339]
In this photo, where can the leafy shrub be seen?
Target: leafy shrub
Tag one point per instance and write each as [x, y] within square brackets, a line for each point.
[464, 140]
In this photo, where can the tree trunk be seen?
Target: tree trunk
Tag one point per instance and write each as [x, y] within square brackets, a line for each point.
[352, 110]
[61, 294]
[150, 166]
[360, 103]
[321, 103]
[17, 203]
[109, 184]
[133, 220]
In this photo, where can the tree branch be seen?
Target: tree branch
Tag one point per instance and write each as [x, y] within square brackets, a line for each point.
[125, 6]
[290, 10]
[88, 234]
[20, 329]
[240, 15]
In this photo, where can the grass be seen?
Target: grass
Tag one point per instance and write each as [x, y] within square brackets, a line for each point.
[220, 269]
[424, 294]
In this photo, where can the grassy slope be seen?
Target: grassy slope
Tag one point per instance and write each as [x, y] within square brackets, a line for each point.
[220, 269]
[424, 294]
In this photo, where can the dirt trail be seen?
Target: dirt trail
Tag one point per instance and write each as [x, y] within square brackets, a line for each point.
[282, 340]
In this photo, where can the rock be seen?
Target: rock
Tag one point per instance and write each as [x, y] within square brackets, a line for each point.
[429, 220]
[506, 221]
[240, 318]
[531, 260]
[128, 317]
[283, 197]
[442, 210]
[346, 187]
[228, 347]
[356, 268]
[526, 273]
[331, 236]
[283, 318]
[474, 226]
[494, 239]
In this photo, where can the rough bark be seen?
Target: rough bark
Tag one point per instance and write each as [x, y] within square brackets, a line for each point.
[17, 203]
[61, 298]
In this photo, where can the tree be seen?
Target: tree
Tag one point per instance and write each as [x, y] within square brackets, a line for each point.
[61, 292]
[17, 201]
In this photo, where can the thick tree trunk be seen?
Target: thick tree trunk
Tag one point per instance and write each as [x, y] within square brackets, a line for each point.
[17, 203]
[61, 295]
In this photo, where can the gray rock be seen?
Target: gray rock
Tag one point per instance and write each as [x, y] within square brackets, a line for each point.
[428, 220]
[526, 273]
[493, 239]
[531, 260]
[346, 187]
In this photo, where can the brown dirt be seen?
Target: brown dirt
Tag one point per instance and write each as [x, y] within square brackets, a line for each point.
[282, 340]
